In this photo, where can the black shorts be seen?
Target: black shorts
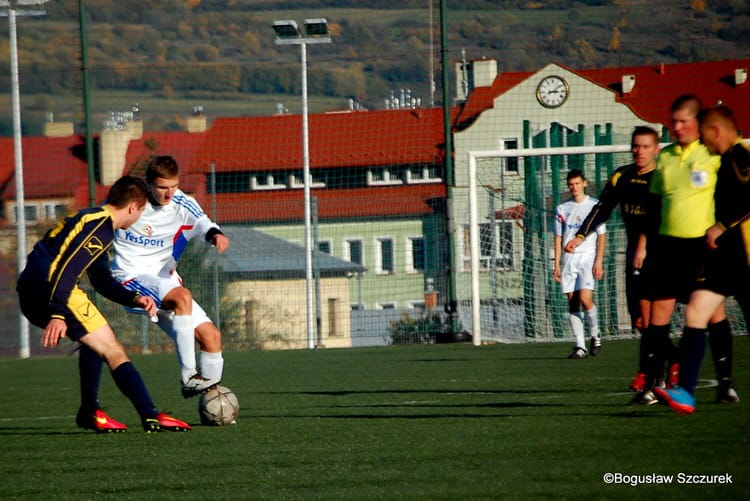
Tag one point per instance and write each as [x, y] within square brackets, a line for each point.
[727, 271]
[673, 266]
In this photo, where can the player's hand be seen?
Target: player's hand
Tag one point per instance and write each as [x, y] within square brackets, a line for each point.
[556, 273]
[712, 234]
[148, 304]
[571, 246]
[639, 256]
[221, 242]
[55, 331]
[598, 271]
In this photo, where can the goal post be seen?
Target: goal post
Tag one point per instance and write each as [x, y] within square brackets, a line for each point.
[507, 294]
[537, 296]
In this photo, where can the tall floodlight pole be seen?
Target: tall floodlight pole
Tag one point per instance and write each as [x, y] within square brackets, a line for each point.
[288, 33]
[9, 9]
[449, 174]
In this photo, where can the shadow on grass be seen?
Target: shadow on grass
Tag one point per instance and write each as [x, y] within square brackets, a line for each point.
[38, 430]
[335, 393]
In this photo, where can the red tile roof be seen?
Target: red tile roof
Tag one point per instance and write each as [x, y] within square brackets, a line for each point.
[287, 205]
[52, 166]
[336, 140]
[181, 145]
[656, 86]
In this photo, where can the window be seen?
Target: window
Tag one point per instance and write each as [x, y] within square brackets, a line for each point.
[510, 164]
[297, 181]
[267, 182]
[354, 251]
[386, 306]
[415, 252]
[55, 212]
[30, 212]
[385, 256]
[422, 174]
[382, 177]
[324, 246]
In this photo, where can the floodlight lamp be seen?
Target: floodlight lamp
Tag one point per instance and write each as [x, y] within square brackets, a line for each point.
[286, 29]
[317, 27]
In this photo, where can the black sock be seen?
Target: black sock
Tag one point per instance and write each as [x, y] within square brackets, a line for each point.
[131, 384]
[692, 348]
[720, 339]
[644, 350]
[659, 350]
[90, 374]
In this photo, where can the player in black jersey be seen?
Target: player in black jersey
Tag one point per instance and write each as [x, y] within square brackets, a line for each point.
[629, 187]
[727, 267]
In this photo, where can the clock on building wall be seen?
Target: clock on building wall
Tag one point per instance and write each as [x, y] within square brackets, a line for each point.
[552, 91]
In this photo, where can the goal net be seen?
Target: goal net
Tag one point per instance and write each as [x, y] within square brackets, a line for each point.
[505, 284]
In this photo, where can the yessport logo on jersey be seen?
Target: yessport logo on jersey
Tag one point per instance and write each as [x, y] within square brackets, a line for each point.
[143, 240]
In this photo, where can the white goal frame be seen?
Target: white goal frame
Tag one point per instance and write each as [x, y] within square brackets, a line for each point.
[473, 156]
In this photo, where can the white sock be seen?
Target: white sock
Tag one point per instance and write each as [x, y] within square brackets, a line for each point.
[211, 364]
[576, 323]
[185, 345]
[593, 322]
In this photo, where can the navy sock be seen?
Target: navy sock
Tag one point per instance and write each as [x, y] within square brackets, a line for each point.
[90, 374]
[720, 339]
[131, 384]
[692, 349]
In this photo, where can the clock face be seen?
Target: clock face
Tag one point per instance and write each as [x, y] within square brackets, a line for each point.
[552, 91]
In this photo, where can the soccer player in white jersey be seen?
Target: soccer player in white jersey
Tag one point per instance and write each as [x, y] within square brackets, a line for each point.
[145, 261]
[578, 271]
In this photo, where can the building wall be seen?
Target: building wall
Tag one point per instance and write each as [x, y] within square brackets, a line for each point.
[273, 313]
[588, 105]
[405, 287]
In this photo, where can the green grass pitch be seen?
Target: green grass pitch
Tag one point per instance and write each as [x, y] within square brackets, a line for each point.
[414, 422]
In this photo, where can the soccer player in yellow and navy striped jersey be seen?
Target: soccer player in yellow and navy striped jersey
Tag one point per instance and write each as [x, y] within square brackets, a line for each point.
[51, 298]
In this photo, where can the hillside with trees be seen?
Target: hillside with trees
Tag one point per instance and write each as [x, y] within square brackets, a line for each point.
[221, 53]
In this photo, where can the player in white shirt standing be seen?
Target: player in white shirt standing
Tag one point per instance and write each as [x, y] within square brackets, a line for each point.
[578, 271]
[145, 260]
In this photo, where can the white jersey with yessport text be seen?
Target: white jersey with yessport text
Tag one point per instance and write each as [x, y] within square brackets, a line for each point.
[153, 244]
[568, 220]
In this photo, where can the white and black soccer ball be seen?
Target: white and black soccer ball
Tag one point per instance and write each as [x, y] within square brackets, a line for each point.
[218, 406]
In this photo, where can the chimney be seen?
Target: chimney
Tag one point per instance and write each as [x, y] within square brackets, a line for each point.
[740, 76]
[628, 82]
[56, 129]
[113, 146]
[473, 74]
[197, 121]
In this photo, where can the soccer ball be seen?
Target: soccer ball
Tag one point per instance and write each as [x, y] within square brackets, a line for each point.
[218, 406]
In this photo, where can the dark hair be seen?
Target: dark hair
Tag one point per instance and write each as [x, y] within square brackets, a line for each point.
[161, 166]
[574, 173]
[644, 130]
[720, 113]
[687, 102]
[127, 189]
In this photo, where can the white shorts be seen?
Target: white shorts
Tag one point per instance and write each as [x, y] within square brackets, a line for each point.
[577, 271]
[157, 287]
